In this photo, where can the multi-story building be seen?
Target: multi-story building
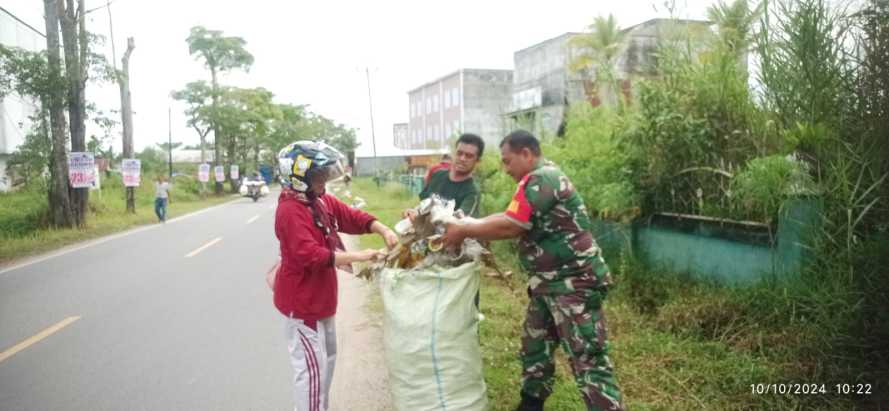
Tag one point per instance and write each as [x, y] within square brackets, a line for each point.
[545, 86]
[15, 110]
[467, 100]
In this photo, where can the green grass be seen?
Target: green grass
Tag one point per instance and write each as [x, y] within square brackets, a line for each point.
[677, 344]
[23, 221]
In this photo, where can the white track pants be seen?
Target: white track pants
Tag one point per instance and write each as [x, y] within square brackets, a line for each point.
[313, 355]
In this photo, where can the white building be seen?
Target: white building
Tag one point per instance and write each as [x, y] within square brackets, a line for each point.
[14, 109]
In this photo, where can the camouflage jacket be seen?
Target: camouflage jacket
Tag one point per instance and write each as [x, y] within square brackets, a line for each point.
[558, 250]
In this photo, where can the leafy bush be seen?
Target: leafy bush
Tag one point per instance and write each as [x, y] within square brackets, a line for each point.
[764, 184]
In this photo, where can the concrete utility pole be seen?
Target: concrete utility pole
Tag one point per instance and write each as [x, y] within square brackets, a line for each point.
[170, 138]
[373, 137]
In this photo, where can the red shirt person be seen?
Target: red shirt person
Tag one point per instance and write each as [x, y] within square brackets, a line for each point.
[307, 223]
[445, 164]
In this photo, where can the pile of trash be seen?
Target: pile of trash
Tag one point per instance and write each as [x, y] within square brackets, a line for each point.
[421, 245]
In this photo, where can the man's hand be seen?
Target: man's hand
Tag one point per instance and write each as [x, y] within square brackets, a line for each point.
[453, 236]
[409, 214]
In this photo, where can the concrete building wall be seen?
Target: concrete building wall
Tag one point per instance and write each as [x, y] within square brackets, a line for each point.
[468, 100]
[368, 166]
[15, 110]
[545, 85]
[487, 98]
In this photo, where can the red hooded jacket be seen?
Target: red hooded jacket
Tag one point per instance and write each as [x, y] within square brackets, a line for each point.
[306, 283]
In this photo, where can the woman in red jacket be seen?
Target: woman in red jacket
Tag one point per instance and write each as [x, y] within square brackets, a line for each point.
[305, 284]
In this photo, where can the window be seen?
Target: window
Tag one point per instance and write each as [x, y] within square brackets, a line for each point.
[434, 103]
[447, 101]
[428, 105]
[447, 130]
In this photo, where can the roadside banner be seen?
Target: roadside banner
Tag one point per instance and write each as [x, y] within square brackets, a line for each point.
[220, 173]
[81, 169]
[131, 169]
[234, 172]
[204, 173]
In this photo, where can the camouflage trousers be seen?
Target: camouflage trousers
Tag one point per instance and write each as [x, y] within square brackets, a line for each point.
[577, 322]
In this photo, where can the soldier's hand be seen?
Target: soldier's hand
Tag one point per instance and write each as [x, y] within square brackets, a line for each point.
[453, 236]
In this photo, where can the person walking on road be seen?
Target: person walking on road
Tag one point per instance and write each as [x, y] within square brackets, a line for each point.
[161, 198]
[304, 281]
[567, 277]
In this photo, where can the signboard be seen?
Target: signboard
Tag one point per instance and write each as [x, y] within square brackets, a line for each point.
[131, 169]
[81, 169]
[204, 173]
[219, 171]
[234, 172]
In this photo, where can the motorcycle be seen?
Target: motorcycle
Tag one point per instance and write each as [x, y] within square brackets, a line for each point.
[254, 188]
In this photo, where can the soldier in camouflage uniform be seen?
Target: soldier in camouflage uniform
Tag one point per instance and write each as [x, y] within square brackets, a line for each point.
[568, 279]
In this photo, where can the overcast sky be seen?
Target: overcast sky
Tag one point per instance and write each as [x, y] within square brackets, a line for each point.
[316, 52]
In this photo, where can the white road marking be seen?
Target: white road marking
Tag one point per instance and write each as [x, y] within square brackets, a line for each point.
[37, 337]
[252, 219]
[203, 247]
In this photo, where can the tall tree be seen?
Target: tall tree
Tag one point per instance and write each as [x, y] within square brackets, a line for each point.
[197, 96]
[220, 54]
[74, 38]
[60, 203]
[126, 113]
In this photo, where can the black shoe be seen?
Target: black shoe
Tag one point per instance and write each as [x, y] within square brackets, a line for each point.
[530, 403]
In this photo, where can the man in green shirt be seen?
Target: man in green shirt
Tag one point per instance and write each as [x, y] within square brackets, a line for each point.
[456, 183]
[567, 277]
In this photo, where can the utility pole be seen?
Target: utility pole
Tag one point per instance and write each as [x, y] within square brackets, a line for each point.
[373, 136]
[170, 138]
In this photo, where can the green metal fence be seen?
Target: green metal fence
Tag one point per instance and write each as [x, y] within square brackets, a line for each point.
[731, 253]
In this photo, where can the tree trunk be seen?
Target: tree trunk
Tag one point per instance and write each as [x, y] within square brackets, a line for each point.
[61, 214]
[76, 97]
[126, 113]
[232, 149]
[217, 138]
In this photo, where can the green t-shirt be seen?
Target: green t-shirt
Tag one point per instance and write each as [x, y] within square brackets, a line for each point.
[464, 193]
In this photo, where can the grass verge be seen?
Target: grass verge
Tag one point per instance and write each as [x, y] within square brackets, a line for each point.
[677, 343]
[24, 231]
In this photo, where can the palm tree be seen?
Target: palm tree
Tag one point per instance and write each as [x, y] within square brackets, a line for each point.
[596, 52]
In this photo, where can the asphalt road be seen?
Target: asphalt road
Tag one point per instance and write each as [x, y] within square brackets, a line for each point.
[173, 316]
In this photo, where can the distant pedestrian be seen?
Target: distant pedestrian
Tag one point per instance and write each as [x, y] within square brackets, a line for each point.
[161, 198]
